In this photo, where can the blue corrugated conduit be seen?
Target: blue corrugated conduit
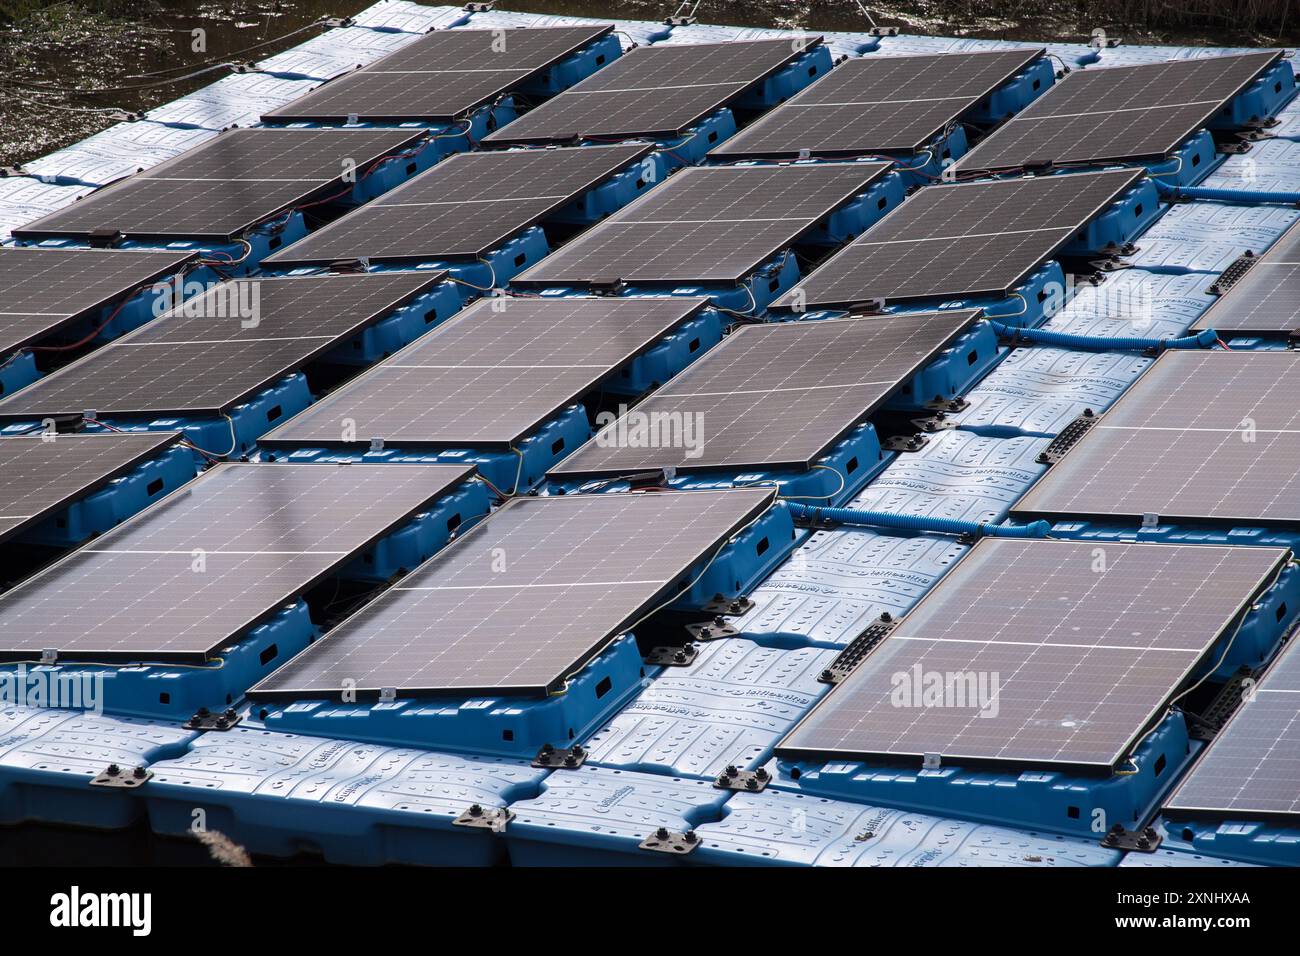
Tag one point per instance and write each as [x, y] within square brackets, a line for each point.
[1225, 195]
[1104, 343]
[886, 519]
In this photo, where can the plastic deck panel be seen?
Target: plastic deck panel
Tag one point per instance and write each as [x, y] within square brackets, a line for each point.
[840, 44]
[236, 100]
[630, 32]
[1038, 391]
[116, 152]
[48, 758]
[1163, 858]
[774, 828]
[280, 794]
[1209, 236]
[595, 816]
[1135, 302]
[1137, 54]
[1271, 165]
[24, 200]
[409, 17]
[838, 582]
[727, 708]
[335, 52]
[911, 45]
[956, 474]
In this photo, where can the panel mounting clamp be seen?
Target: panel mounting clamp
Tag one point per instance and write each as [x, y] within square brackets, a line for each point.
[856, 652]
[1067, 439]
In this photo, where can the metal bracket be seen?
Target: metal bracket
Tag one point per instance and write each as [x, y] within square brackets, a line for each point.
[731, 607]
[664, 840]
[613, 286]
[114, 776]
[1146, 840]
[904, 443]
[1235, 148]
[955, 404]
[1234, 273]
[205, 719]
[883, 32]
[733, 778]
[937, 422]
[1067, 439]
[848, 659]
[679, 21]
[711, 630]
[480, 7]
[673, 656]
[1210, 721]
[559, 758]
[331, 23]
[485, 818]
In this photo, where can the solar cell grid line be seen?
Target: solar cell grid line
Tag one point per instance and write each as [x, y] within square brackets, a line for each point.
[225, 186]
[777, 395]
[1074, 669]
[579, 570]
[464, 207]
[1266, 300]
[653, 91]
[1200, 437]
[490, 375]
[868, 105]
[1119, 113]
[963, 239]
[43, 291]
[39, 475]
[705, 224]
[204, 358]
[1252, 768]
[443, 75]
[195, 571]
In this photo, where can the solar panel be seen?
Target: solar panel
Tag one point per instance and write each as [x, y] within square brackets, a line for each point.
[1069, 671]
[1264, 300]
[491, 375]
[1119, 113]
[653, 91]
[222, 188]
[960, 240]
[705, 224]
[1252, 768]
[525, 598]
[441, 76]
[464, 207]
[41, 475]
[43, 291]
[1202, 436]
[208, 356]
[194, 572]
[869, 105]
[772, 396]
